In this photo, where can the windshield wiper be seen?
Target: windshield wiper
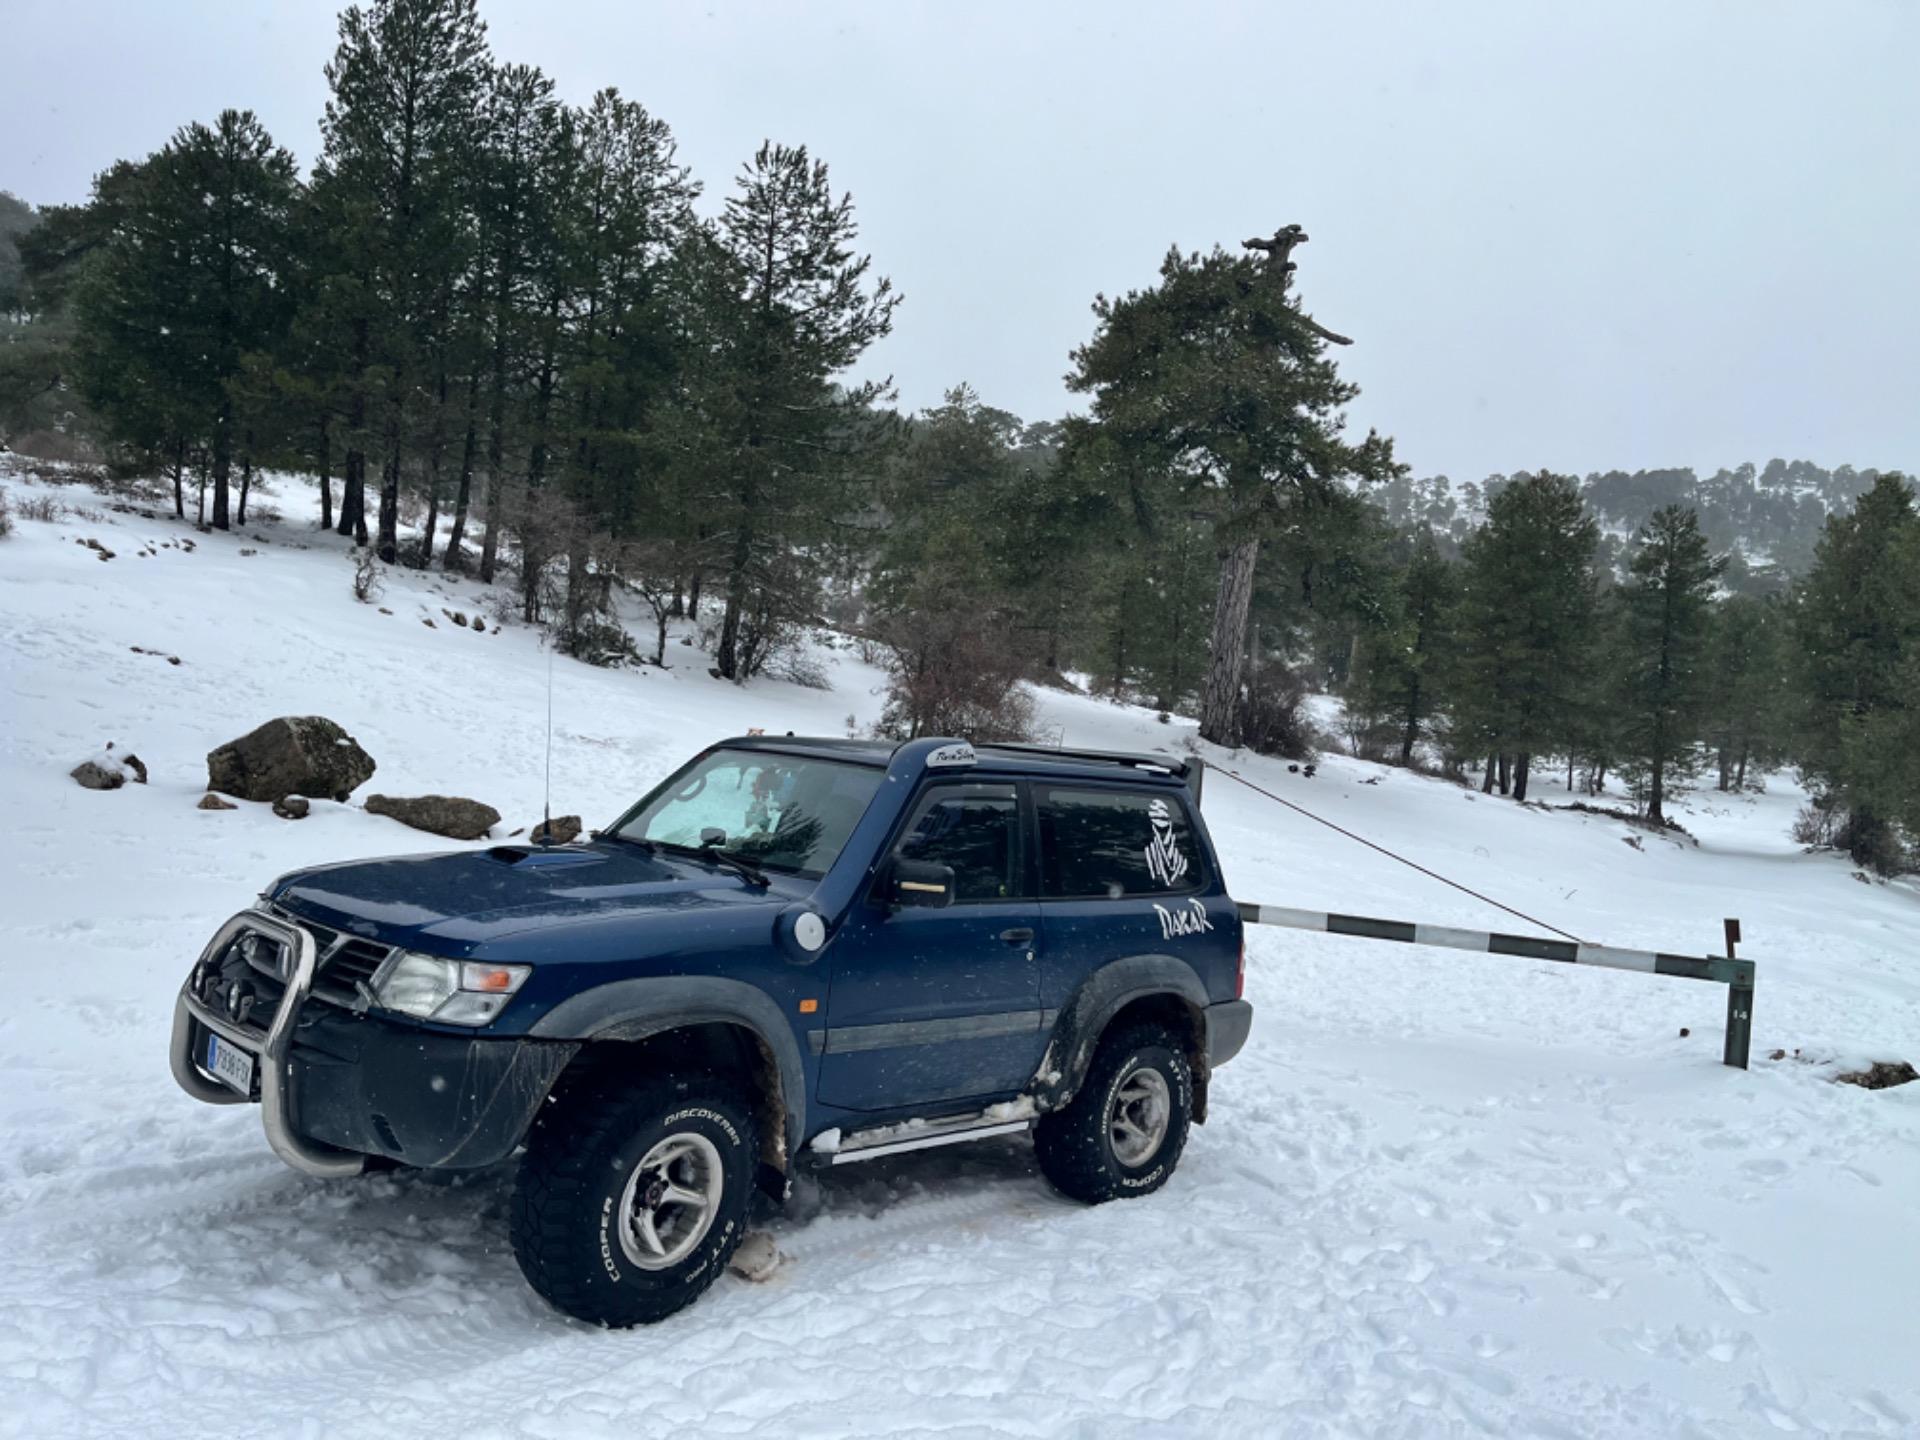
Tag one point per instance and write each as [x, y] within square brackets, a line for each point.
[738, 864]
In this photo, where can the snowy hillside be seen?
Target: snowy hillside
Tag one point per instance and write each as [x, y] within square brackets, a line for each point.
[1440, 1195]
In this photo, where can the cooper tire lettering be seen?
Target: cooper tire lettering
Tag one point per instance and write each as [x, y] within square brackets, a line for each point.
[566, 1221]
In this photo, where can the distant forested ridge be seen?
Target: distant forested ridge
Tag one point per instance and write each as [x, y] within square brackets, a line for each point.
[1769, 517]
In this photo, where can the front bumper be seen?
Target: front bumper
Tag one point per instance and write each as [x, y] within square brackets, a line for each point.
[337, 1087]
[422, 1097]
[1228, 1024]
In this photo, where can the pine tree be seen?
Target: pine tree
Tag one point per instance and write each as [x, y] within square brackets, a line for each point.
[788, 308]
[1747, 687]
[1857, 646]
[193, 279]
[1044, 509]
[17, 217]
[1527, 621]
[391, 192]
[1404, 678]
[1218, 374]
[1662, 687]
[528, 155]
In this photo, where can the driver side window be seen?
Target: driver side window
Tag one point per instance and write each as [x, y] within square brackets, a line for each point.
[975, 831]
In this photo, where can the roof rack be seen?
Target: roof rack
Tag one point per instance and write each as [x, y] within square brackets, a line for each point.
[1192, 770]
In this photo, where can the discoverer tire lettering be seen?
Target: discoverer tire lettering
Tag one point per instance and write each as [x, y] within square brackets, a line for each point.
[566, 1218]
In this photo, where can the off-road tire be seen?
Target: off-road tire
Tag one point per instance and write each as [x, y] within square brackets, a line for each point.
[572, 1179]
[1075, 1145]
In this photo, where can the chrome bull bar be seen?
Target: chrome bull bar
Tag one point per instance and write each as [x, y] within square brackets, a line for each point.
[270, 1050]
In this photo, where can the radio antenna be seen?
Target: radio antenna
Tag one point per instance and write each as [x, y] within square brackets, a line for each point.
[546, 789]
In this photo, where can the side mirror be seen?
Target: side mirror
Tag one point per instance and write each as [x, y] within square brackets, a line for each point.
[921, 883]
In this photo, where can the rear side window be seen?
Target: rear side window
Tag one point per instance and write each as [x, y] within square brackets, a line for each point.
[976, 830]
[1109, 844]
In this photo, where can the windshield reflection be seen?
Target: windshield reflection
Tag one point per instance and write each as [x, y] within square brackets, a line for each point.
[778, 812]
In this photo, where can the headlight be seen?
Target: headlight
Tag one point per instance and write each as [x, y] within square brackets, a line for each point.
[454, 992]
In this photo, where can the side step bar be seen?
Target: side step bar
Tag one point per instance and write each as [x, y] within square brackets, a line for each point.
[898, 1139]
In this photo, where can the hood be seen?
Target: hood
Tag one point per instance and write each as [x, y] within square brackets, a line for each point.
[471, 896]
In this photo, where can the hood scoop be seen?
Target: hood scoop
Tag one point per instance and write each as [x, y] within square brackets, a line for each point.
[533, 857]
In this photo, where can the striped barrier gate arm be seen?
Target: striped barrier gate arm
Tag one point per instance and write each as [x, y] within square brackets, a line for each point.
[1736, 975]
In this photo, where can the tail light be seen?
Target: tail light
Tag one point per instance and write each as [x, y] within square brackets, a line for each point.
[1240, 972]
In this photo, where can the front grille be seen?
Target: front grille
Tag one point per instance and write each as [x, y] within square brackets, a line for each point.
[352, 966]
[344, 963]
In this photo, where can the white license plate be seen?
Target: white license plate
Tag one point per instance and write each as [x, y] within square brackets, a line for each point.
[230, 1063]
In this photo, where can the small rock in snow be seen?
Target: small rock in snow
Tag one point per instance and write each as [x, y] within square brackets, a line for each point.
[211, 801]
[291, 807]
[95, 776]
[451, 815]
[563, 830]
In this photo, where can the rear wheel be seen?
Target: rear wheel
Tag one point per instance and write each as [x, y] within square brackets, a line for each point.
[1123, 1132]
[630, 1201]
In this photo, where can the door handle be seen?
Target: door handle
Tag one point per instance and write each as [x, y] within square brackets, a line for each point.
[1019, 935]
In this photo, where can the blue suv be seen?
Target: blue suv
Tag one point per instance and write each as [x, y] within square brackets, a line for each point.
[793, 951]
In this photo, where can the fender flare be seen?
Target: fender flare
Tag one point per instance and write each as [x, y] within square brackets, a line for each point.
[637, 1009]
[1103, 995]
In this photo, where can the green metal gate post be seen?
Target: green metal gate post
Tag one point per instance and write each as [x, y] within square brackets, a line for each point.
[1739, 1014]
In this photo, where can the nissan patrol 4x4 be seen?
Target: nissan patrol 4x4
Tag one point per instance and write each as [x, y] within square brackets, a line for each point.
[791, 951]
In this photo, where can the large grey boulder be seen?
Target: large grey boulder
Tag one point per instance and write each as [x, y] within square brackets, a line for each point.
[449, 815]
[294, 755]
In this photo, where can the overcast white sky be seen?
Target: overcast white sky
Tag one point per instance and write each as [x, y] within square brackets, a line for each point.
[1573, 236]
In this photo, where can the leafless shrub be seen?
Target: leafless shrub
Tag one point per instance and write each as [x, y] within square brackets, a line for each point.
[552, 543]
[1818, 823]
[6, 515]
[41, 507]
[799, 665]
[369, 576]
[1273, 717]
[952, 671]
[1368, 736]
[502, 607]
[651, 569]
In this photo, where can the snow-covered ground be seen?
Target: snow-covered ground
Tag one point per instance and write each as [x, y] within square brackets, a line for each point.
[1441, 1194]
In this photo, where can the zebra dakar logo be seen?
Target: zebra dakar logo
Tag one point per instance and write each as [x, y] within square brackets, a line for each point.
[1187, 919]
[1164, 860]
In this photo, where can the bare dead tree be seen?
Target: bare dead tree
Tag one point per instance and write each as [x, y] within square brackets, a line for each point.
[1279, 253]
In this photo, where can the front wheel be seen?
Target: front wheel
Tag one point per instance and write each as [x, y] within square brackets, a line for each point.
[1123, 1132]
[630, 1201]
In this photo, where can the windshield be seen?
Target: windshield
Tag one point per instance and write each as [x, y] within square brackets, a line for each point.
[776, 811]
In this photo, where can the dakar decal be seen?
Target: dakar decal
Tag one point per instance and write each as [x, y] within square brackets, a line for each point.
[1187, 919]
[1164, 860]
